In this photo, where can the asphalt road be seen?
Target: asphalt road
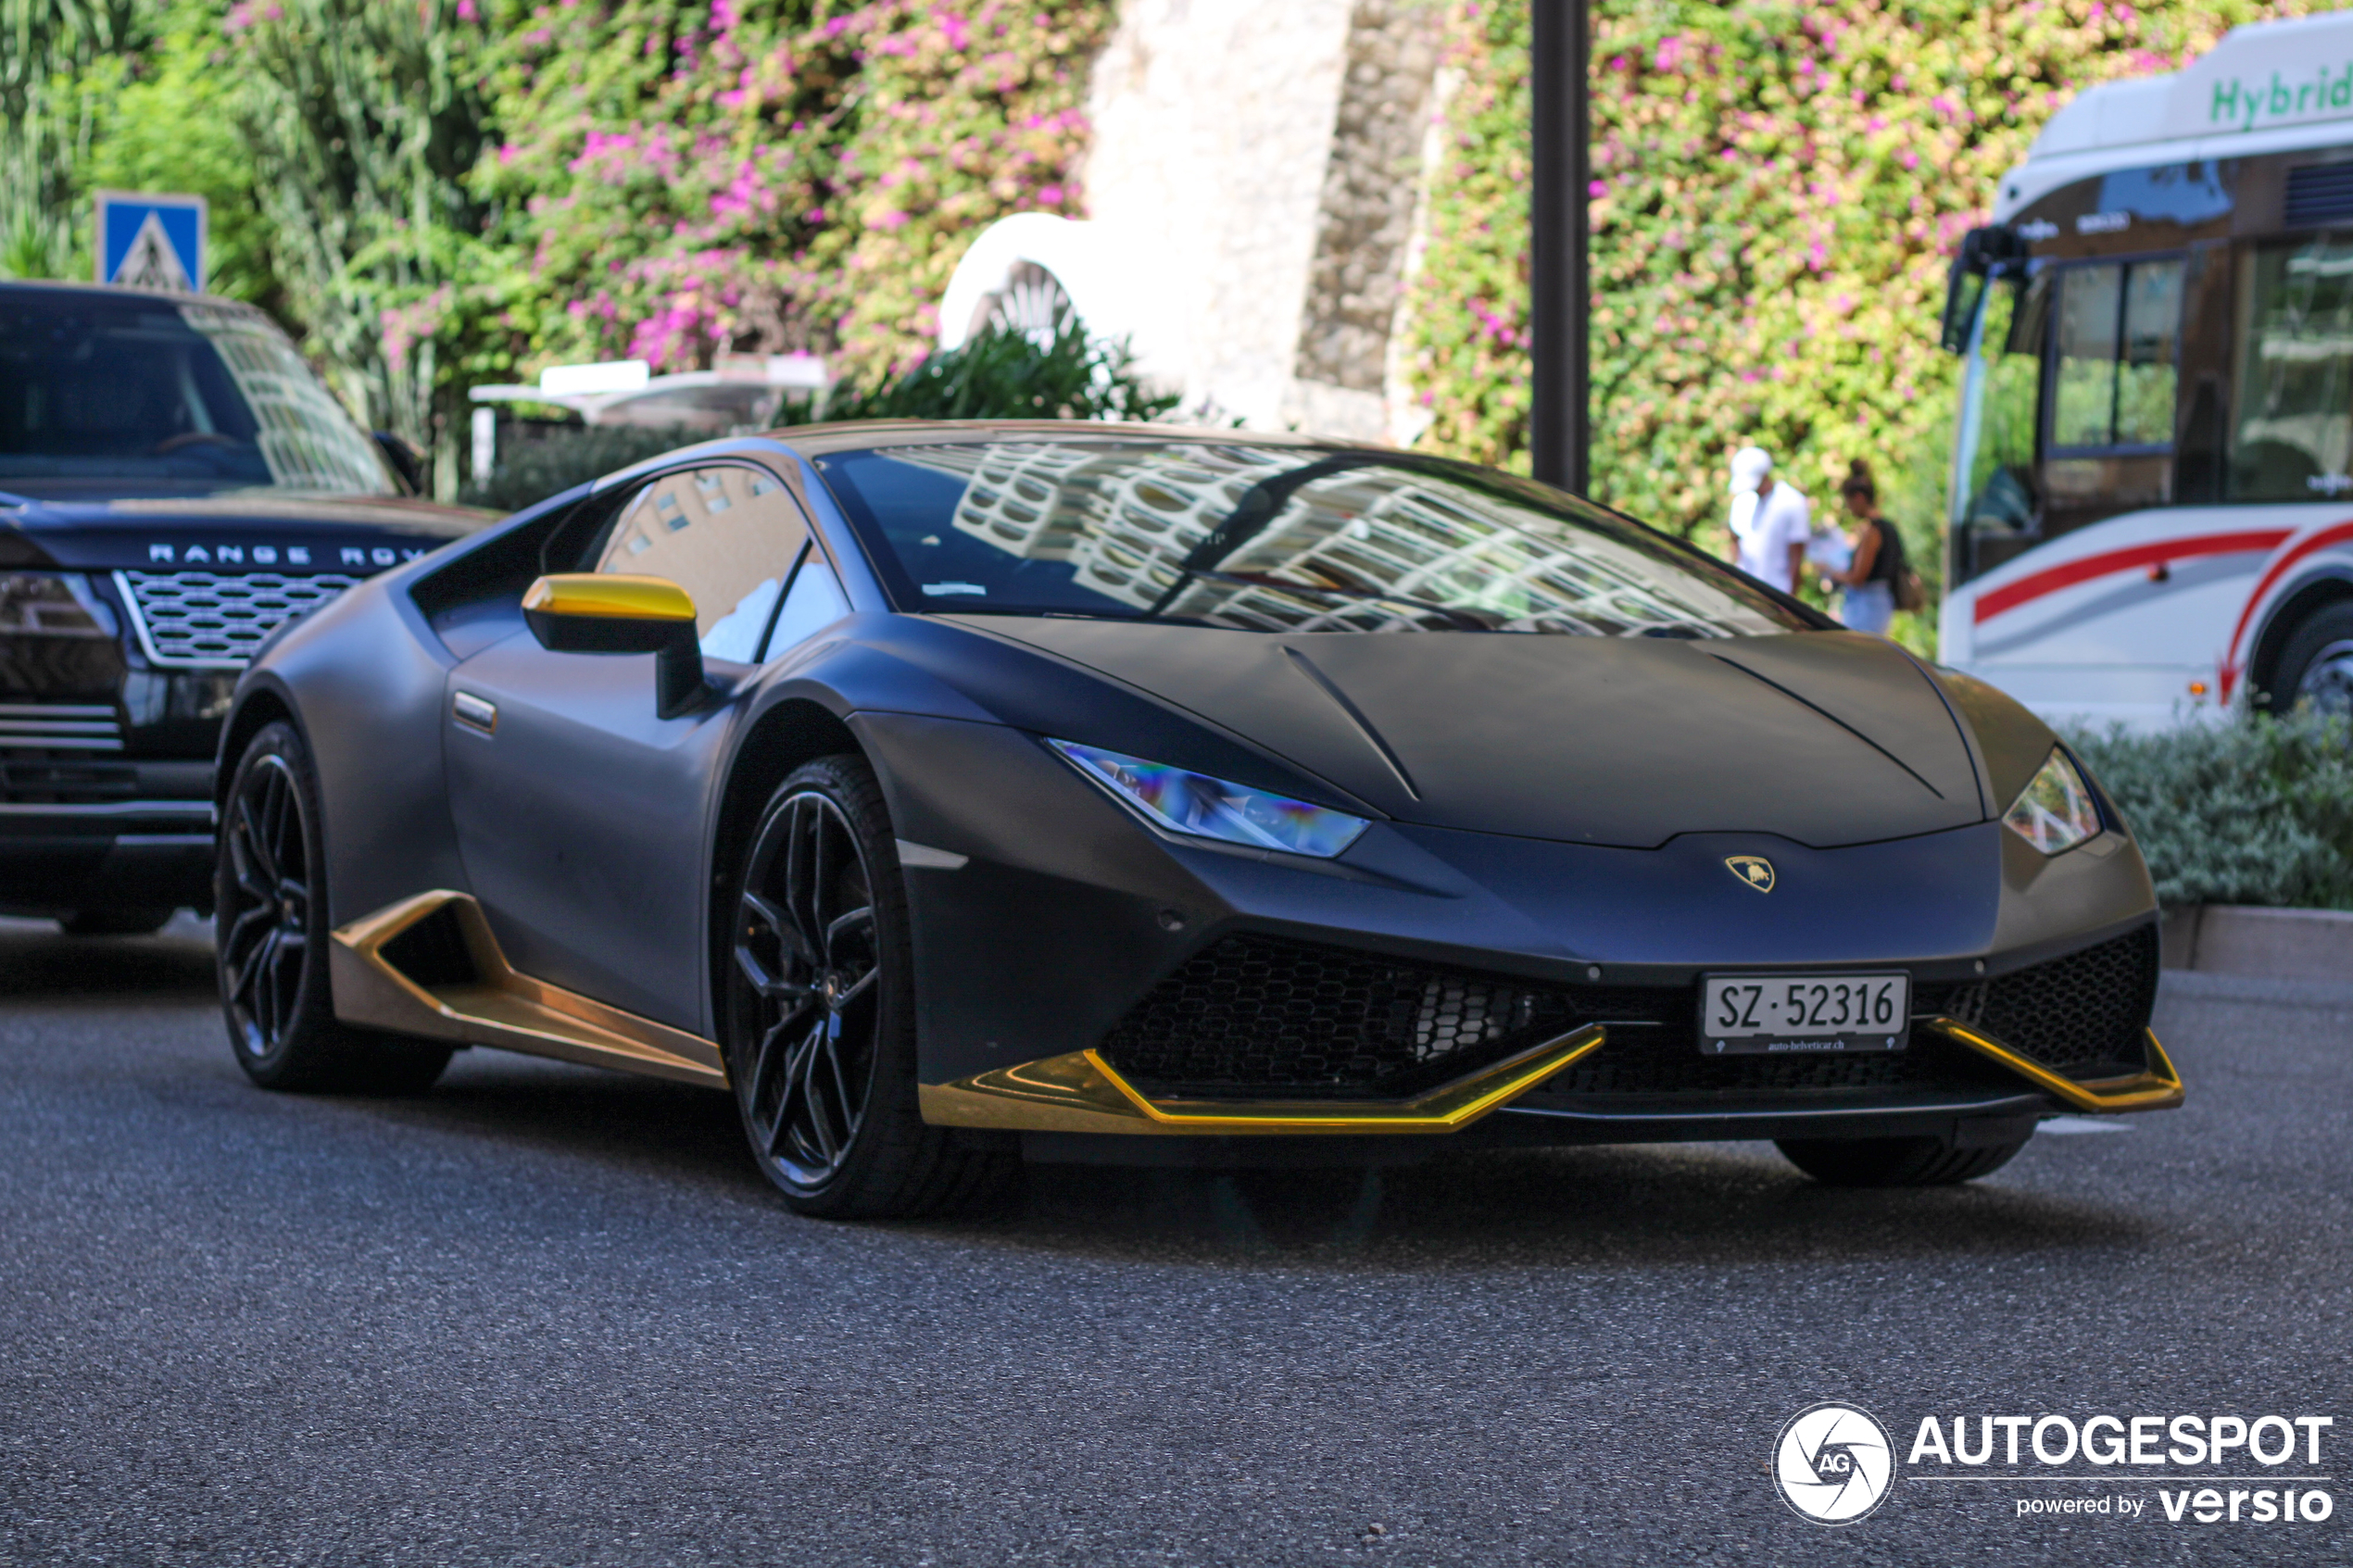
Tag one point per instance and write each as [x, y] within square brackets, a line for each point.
[548, 1315]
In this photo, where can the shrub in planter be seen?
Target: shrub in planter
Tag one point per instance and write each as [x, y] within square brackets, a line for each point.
[1008, 375]
[2256, 811]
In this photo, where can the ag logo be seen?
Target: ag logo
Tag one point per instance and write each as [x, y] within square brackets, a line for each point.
[1753, 870]
[1834, 1463]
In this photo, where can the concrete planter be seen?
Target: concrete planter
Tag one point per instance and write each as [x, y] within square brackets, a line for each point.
[2276, 944]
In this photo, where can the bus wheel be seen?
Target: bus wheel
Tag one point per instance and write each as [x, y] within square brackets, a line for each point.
[2317, 665]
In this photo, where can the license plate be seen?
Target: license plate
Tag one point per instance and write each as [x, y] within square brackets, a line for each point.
[1751, 1014]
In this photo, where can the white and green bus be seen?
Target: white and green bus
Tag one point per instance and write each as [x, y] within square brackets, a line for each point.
[2152, 493]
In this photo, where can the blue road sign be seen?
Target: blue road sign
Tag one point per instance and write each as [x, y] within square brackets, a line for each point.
[151, 240]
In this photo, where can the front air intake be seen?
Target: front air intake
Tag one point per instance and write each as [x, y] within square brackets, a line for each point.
[1256, 1016]
[2085, 1014]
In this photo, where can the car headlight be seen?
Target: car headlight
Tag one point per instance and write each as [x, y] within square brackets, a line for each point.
[1207, 808]
[51, 603]
[2055, 811]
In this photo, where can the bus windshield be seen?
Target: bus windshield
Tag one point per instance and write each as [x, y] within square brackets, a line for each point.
[1994, 495]
[2070, 396]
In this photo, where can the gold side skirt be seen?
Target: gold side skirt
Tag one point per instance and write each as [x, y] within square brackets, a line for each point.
[500, 1007]
[1082, 1093]
[2159, 1088]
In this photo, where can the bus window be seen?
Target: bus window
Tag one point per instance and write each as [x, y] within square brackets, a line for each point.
[1997, 445]
[2293, 433]
[2113, 371]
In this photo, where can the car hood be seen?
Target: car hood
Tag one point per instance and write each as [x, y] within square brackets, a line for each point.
[245, 528]
[1826, 738]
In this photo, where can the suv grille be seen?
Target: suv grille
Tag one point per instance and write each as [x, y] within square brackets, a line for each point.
[54, 753]
[216, 619]
[59, 726]
[2088, 1009]
[1251, 1015]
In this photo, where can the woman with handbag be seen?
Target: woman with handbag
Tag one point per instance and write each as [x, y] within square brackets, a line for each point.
[1877, 580]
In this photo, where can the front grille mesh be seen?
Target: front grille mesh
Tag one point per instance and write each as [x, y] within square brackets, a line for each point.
[1251, 1014]
[1255, 1016]
[207, 618]
[2086, 1009]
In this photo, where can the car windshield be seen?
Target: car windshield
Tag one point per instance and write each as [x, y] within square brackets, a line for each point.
[190, 395]
[1275, 539]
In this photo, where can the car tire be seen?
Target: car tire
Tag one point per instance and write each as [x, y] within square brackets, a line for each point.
[269, 930]
[1894, 1162]
[115, 923]
[819, 1012]
[2316, 665]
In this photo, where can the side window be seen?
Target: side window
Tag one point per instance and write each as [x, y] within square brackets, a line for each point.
[728, 534]
[814, 602]
[2292, 436]
[2114, 356]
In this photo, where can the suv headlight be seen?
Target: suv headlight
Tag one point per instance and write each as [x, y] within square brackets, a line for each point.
[2055, 811]
[1207, 808]
[52, 604]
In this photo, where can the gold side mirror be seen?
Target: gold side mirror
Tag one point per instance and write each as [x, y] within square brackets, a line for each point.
[599, 612]
[608, 596]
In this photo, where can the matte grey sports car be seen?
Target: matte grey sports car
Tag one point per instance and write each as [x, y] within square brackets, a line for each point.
[958, 795]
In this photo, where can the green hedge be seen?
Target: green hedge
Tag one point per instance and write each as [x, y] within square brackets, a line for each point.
[2258, 811]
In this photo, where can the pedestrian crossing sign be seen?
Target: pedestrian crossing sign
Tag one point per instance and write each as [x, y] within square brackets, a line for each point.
[151, 242]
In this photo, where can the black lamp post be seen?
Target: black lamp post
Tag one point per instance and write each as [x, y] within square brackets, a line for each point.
[1558, 291]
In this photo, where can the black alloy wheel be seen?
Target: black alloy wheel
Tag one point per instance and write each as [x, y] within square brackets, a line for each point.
[819, 1014]
[265, 918]
[806, 947]
[270, 938]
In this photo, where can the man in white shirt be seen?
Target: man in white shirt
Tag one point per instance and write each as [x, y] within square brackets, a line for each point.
[1770, 522]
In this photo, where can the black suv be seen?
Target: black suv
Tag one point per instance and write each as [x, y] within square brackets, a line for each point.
[175, 485]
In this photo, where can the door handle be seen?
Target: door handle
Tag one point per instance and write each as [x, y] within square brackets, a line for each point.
[475, 713]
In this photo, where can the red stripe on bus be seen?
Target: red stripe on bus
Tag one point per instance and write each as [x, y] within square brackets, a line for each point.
[2050, 581]
[2336, 535]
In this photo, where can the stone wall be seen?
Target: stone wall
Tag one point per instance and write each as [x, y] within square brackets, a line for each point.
[1212, 129]
[1369, 187]
[1259, 165]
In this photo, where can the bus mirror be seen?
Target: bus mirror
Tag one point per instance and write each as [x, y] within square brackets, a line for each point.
[1983, 252]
